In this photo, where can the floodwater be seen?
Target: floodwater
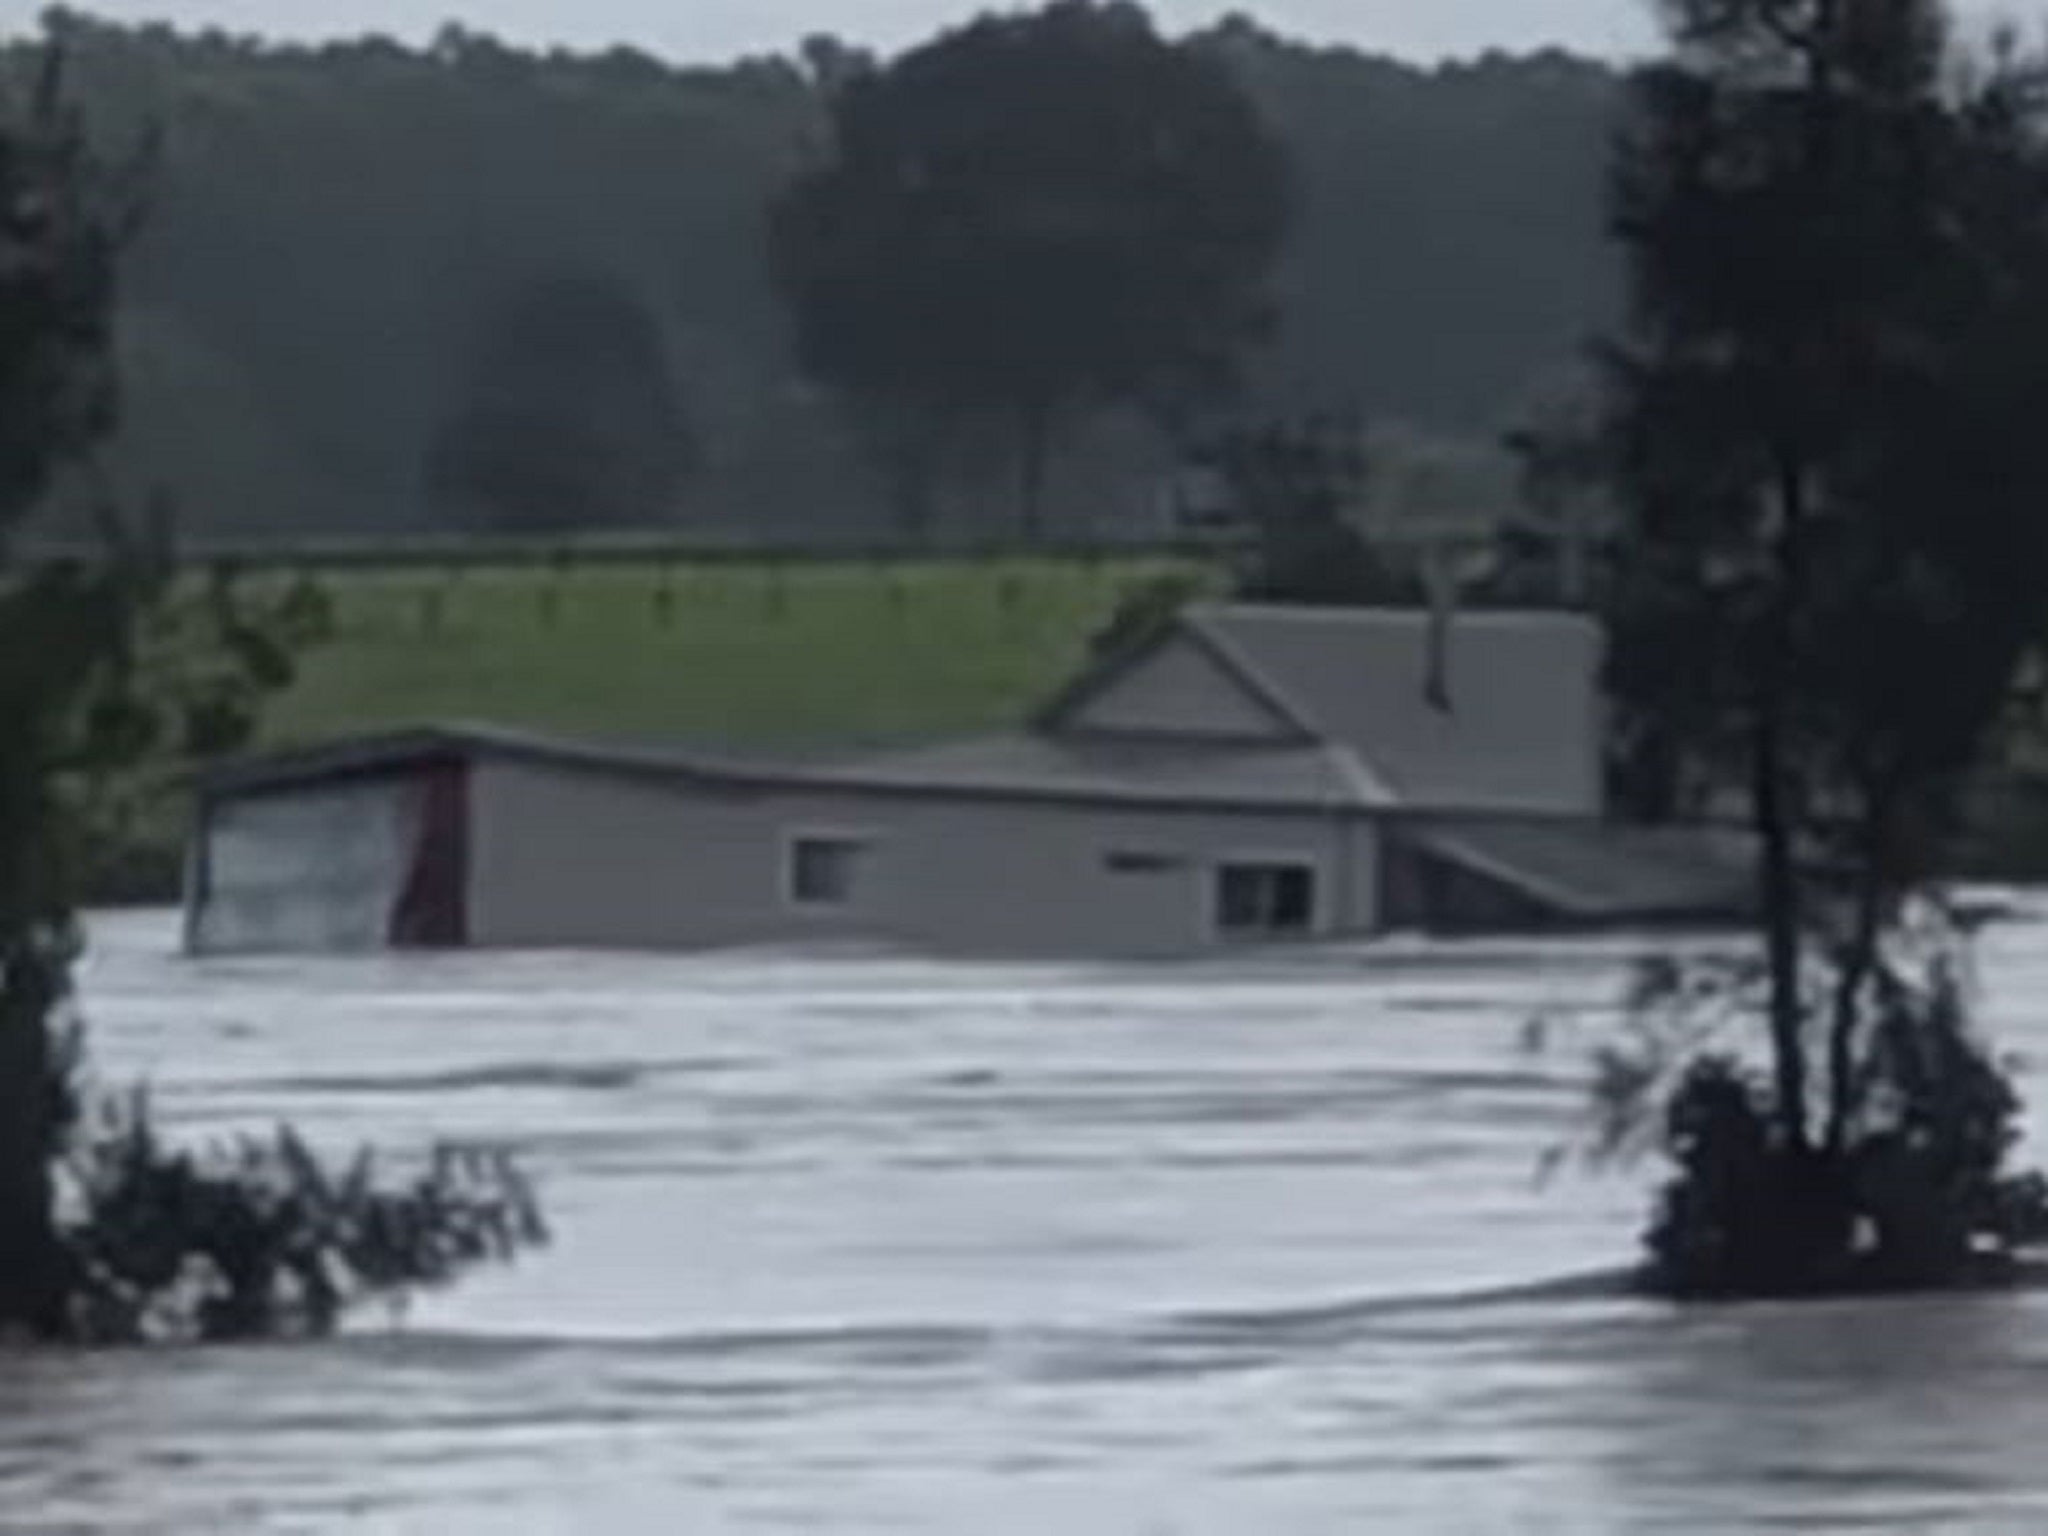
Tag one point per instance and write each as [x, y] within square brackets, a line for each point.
[860, 1244]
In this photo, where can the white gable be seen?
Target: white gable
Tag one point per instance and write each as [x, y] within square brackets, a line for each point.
[1179, 689]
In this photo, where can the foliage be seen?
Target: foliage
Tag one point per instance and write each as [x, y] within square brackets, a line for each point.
[1840, 272]
[570, 416]
[60, 228]
[1917, 1193]
[259, 1239]
[102, 670]
[207, 655]
[1559, 540]
[1294, 493]
[1146, 609]
[1817, 425]
[336, 232]
[58, 238]
[1033, 217]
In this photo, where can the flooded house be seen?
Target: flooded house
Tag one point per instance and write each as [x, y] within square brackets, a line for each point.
[1246, 774]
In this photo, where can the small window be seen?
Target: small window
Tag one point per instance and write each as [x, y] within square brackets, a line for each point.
[1265, 900]
[1128, 861]
[824, 871]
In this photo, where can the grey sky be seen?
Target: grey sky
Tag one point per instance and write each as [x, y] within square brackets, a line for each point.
[717, 29]
[712, 29]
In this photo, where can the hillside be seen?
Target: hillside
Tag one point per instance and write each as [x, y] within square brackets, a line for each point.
[354, 254]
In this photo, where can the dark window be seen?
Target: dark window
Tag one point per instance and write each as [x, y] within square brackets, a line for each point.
[824, 870]
[1133, 862]
[1265, 900]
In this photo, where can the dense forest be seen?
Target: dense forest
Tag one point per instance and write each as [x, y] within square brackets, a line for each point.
[384, 290]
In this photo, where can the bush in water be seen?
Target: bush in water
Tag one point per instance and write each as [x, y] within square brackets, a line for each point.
[1911, 1191]
[255, 1238]
[261, 1240]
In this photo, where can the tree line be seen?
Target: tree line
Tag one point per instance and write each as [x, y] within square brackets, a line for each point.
[468, 286]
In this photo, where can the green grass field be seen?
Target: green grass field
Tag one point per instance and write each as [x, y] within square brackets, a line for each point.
[812, 652]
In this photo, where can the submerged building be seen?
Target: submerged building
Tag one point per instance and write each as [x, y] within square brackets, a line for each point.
[1247, 774]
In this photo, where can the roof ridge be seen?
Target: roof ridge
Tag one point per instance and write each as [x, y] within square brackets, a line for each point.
[1246, 671]
[1100, 670]
[1103, 672]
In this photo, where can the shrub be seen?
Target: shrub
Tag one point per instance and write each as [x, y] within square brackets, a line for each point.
[260, 1239]
[1912, 1190]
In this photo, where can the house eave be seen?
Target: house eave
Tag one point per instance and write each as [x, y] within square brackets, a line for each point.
[410, 749]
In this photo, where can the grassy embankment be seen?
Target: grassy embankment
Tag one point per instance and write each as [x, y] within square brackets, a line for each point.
[739, 652]
[743, 652]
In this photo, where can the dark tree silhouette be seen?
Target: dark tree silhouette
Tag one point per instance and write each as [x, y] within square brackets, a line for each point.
[58, 243]
[1032, 217]
[86, 690]
[569, 417]
[1291, 492]
[300, 309]
[1840, 320]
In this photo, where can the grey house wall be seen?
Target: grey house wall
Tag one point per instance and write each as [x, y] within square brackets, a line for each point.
[563, 856]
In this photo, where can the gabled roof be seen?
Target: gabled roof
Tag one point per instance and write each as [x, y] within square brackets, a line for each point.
[1517, 728]
[1309, 658]
[1092, 682]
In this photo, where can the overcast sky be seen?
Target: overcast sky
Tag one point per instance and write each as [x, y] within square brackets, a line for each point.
[718, 29]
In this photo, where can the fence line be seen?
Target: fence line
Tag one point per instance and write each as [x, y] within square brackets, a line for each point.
[428, 554]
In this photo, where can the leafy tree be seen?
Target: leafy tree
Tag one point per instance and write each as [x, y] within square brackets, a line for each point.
[1555, 540]
[1448, 248]
[1030, 218]
[1840, 276]
[57, 254]
[1291, 495]
[569, 416]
